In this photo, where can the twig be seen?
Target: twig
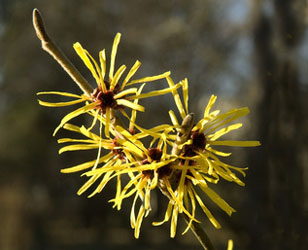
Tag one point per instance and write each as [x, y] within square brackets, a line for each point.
[183, 133]
[49, 46]
[200, 234]
[182, 136]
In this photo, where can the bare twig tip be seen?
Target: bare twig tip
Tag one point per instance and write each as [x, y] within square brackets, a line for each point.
[188, 120]
[39, 25]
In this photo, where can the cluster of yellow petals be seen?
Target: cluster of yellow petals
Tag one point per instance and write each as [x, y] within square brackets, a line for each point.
[123, 96]
[122, 151]
[206, 166]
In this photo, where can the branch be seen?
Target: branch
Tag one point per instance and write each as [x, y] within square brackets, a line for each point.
[49, 46]
[200, 234]
[182, 136]
[183, 133]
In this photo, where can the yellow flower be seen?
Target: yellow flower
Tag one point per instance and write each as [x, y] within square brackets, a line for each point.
[114, 158]
[109, 94]
[192, 162]
[143, 168]
[128, 156]
[206, 133]
[196, 164]
[199, 162]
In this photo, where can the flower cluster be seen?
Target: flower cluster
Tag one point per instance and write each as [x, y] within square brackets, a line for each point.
[181, 160]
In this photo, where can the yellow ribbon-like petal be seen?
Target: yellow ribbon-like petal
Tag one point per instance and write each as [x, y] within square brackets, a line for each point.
[82, 130]
[174, 221]
[107, 177]
[173, 118]
[113, 55]
[235, 143]
[230, 245]
[209, 105]
[126, 92]
[223, 119]
[154, 93]
[107, 125]
[61, 94]
[176, 200]
[139, 221]
[129, 104]
[74, 114]
[82, 53]
[167, 215]
[193, 209]
[134, 111]
[117, 76]
[59, 104]
[177, 98]
[102, 59]
[206, 211]
[185, 93]
[149, 78]
[89, 183]
[85, 165]
[224, 131]
[216, 152]
[64, 140]
[77, 147]
[218, 200]
[98, 70]
[131, 72]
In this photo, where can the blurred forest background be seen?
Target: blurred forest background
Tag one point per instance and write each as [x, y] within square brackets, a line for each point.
[249, 53]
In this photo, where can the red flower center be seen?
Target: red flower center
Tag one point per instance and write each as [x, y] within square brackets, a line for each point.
[106, 99]
[154, 153]
[198, 144]
[118, 151]
[198, 140]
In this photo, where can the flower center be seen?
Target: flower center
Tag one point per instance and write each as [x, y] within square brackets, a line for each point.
[118, 151]
[198, 140]
[155, 154]
[106, 99]
[198, 144]
[164, 171]
[148, 174]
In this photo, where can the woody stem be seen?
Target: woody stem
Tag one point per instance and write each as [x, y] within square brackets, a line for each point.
[182, 136]
[200, 234]
[49, 46]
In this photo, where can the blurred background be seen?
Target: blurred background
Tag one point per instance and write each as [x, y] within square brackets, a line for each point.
[249, 53]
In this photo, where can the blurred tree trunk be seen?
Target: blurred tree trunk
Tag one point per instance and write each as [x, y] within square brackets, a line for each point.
[14, 231]
[278, 177]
